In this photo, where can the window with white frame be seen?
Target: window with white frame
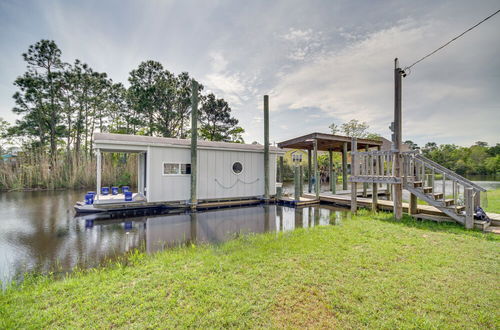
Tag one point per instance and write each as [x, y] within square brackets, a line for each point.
[176, 168]
[296, 157]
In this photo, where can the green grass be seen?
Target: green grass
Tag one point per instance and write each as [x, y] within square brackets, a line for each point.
[493, 204]
[368, 272]
[493, 201]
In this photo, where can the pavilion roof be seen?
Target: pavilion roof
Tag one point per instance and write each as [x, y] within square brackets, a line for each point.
[327, 142]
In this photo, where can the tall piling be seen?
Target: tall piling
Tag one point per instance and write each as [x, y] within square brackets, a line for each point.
[316, 172]
[194, 141]
[266, 147]
[397, 137]
[344, 166]
[296, 190]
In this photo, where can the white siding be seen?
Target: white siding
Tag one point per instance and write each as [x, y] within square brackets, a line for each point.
[216, 179]
[168, 187]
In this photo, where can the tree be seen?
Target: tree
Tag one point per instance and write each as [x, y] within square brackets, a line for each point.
[481, 144]
[216, 121]
[39, 95]
[334, 128]
[355, 128]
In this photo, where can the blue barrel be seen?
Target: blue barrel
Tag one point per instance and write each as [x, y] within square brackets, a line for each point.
[114, 190]
[125, 189]
[105, 190]
[128, 196]
[91, 192]
[128, 224]
[89, 199]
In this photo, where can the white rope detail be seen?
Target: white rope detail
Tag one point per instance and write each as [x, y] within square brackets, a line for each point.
[235, 183]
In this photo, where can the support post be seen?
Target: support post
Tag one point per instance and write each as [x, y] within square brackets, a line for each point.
[266, 147]
[301, 179]
[331, 172]
[397, 136]
[374, 197]
[368, 166]
[477, 200]
[344, 166]
[296, 183]
[309, 171]
[194, 141]
[354, 171]
[98, 174]
[316, 173]
[413, 204]
[279, 188]
[469, 208]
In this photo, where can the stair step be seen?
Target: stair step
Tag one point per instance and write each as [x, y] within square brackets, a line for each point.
[427, 190]
[446, 202]
[418, 184]
[437, 195]
[481, 224]
[458, 208]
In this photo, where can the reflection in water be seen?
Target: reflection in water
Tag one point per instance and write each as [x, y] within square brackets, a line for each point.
[39, 232]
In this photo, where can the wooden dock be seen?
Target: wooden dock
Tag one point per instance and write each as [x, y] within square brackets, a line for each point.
[426, 212]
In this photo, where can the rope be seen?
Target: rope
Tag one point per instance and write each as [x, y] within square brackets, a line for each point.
[235, 183]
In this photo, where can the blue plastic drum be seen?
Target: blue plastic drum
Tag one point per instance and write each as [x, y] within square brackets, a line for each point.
[114, 190]
[89, 199]
[105, 190]
[128, 196]
[125, 189]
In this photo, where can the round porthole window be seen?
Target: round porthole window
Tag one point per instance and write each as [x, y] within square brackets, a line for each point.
[237, 168]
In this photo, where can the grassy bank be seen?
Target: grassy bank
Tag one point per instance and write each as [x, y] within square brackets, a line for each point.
[368, 272]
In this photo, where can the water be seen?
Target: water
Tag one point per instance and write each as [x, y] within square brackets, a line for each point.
[39, 231]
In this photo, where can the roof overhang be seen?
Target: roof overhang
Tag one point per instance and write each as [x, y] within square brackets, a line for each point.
[327, 142]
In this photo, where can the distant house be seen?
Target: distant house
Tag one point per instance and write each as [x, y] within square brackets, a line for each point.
[387, 145]
[296, 156]
[8, 158]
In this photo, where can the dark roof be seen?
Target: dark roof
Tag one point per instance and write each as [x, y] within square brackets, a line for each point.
[327, 142]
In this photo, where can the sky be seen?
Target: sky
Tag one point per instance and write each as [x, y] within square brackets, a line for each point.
[320, 62]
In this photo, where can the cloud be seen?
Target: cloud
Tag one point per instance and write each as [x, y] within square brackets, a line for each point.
[357, 82]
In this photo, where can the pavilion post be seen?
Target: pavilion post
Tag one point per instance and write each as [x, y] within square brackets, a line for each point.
[344, 166]
[316, 173]
[296, 189]
[98, 174]
[301, 179]
[331, 172]
[194, 141]
[309, 171]
[354, 171]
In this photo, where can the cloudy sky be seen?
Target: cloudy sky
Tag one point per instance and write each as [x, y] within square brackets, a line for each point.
[320, 61]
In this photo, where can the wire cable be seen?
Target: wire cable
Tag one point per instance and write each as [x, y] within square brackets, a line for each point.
[449, 42]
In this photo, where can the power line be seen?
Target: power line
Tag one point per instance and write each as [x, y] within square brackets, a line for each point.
[449, 42]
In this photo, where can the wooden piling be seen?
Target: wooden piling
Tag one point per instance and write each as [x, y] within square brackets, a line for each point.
[365, 184]
[469, 208]
[301, 180]
[398, 187]
[98, 174]
[354, 171]
[344, 166]
[309, 171]
[279, 189]
[194, 141]
[331, 173]
[374, 197]
[413, 204]
[266, 147]
[296, 183]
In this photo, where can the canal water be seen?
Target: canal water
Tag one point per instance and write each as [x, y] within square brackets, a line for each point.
[40, 233]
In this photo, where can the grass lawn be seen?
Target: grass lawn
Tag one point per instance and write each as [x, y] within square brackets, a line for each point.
[368, 272]
[493, 201]
[493, 204]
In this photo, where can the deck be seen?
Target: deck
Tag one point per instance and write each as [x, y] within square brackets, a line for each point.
[426, 212]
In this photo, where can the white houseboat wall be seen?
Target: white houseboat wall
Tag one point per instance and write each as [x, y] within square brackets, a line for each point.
[224, 170]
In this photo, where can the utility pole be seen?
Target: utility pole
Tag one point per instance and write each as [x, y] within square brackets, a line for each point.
[396, 142]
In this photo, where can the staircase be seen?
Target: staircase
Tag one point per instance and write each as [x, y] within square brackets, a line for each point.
[456, 197]
[453, 195]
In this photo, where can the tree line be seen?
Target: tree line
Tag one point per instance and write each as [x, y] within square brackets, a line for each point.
[61, 104]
